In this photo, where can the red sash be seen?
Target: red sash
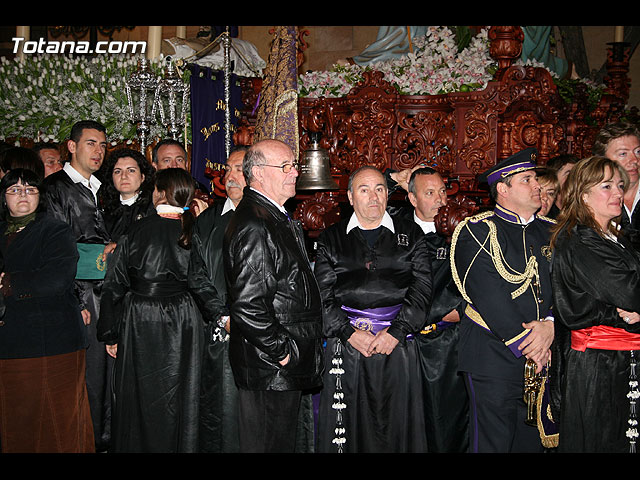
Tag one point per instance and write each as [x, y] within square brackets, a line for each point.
[603, 337]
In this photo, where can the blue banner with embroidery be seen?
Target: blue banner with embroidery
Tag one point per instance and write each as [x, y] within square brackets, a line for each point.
[208, 108]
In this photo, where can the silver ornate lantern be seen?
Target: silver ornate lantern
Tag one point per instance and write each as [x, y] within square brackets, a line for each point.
[171, 101]
[140, 88]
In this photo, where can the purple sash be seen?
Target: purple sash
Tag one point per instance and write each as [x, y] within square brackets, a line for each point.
[371, 319]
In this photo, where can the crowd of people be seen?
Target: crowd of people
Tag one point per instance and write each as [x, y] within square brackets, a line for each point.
[139, 317]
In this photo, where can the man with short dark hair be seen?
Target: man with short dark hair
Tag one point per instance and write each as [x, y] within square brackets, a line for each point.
[169, 153]
[275, 348]
[49, 153]
[374, 273]
[500, 262]
[71, 196]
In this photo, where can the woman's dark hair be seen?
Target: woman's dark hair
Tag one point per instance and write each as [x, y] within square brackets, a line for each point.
[109, 196]
[21, 157]
[19, 175]
[179, 188]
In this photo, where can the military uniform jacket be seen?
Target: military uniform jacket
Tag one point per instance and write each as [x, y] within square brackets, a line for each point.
[501, 267]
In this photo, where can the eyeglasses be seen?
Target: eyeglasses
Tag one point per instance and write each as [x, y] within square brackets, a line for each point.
[22, 191]
[286, 168]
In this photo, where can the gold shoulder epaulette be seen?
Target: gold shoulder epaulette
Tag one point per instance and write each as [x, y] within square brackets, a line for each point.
[547, 219]
[478, 217]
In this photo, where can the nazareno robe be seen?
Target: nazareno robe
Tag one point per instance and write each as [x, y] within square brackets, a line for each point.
[118, 221]
[446, 403]
[219, 394]
[383, 394]
[591, 276]
[148, 311]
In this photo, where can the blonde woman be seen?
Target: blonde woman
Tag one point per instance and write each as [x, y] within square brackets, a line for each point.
[596, 285]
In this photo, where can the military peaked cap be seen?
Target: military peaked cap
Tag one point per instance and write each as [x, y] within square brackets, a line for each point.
[519, 162]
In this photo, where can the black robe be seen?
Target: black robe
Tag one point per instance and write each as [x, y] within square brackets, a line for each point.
[445, 398]
[591, 277]
[118, 221]
[631, 226]
[74, 204]
[218, 398]
[383, 394]
[148, 311]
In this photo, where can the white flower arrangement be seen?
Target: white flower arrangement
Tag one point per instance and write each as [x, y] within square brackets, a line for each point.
[434, 67]
[42, 96]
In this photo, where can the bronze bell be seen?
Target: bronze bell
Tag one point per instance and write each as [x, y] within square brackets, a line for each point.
[315, 170]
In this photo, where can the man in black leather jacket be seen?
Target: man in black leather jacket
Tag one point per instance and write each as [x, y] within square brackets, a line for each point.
[70, 196]
[275, 348]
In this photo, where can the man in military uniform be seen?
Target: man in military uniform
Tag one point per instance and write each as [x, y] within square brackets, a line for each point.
[500, 261]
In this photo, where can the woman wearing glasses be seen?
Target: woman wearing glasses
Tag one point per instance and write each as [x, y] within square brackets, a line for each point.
[44, 404]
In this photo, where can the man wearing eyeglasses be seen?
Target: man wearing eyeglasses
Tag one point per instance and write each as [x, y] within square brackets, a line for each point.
[275, 348]
[218, 407]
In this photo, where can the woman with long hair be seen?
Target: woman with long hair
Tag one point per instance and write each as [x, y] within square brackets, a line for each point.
[44, 405]
[153, 328]
[596, 284]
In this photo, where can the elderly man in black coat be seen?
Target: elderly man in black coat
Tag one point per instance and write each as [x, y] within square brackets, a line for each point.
[374, 273]
[218, 407]
[275, 347]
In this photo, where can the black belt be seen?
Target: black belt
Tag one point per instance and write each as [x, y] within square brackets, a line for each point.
[157, 289]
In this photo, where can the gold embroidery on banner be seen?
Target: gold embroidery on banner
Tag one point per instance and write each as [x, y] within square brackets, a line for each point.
[100, 263]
